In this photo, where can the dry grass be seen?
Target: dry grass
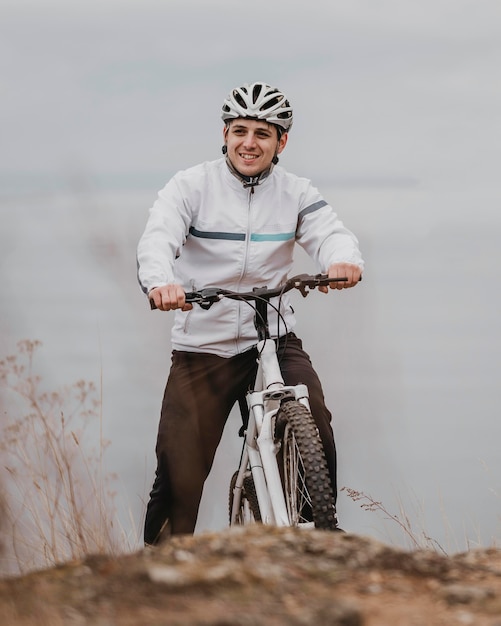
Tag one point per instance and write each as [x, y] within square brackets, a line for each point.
[416, 539]
[58, 502]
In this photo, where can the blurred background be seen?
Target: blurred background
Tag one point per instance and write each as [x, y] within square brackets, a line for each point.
[397, 121]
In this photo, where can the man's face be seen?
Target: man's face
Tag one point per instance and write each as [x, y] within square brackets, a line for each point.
[252, 144]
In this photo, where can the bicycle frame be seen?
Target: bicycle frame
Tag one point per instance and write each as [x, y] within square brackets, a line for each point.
[259, 448]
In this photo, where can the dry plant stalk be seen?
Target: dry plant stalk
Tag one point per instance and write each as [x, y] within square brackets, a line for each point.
[417, 540]
[58, 502]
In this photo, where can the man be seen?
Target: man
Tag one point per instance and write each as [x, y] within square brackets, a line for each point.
[231, 223]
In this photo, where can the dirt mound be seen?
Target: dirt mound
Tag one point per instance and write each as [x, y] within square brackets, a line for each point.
[260, 576]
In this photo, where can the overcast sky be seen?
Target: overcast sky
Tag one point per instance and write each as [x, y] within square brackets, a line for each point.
[382, 89]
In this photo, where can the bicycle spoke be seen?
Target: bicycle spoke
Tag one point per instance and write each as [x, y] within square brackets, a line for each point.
[300, 501]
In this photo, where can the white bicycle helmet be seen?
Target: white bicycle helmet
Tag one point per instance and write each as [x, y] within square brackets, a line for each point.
[258, 101]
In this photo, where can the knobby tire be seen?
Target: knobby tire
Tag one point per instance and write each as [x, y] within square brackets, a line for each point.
[305, 476]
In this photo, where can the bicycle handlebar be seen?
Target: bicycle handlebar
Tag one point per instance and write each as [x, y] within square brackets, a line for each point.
[303, 282]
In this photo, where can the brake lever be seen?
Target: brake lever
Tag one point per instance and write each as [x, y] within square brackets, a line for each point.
[204, 298]
[317, 281]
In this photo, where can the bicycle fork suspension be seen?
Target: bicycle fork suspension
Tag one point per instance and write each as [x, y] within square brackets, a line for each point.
[266, 470]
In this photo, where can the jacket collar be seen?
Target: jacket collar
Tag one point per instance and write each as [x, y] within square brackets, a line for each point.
[249, 181]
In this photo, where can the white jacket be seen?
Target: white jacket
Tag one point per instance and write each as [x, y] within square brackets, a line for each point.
[206, 230]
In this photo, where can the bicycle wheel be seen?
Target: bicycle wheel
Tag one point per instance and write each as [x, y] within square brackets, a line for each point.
[248, 510]
[305, 476]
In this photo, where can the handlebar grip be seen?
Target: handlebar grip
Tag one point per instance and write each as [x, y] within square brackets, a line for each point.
[190, 297]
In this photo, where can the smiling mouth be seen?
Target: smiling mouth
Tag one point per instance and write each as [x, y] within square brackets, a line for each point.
[248, 157]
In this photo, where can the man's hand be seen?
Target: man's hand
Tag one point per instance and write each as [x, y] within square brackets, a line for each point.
[169, 297]
[343, 270]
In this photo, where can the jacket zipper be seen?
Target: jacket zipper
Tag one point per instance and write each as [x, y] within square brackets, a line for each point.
[246, 256]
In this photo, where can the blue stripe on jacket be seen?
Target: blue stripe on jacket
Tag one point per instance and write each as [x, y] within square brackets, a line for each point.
[256, 236]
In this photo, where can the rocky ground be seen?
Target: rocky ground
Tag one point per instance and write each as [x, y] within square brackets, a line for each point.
[260, 576]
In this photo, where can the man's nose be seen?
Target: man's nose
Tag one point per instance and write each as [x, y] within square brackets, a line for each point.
[250, 139]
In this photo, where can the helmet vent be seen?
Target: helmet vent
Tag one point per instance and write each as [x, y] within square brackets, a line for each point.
[256, 92]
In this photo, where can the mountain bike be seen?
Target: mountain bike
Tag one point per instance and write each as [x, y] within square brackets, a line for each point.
[282, 478]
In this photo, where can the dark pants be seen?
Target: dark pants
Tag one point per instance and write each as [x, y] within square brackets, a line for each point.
[200, 393]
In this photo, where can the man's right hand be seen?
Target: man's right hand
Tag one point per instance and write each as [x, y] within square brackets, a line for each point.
[169, 298]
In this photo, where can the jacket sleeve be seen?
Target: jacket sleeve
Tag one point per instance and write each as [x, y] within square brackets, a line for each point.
[323, 235]
[164, 236]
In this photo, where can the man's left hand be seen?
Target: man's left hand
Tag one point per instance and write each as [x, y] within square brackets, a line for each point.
[343, 270]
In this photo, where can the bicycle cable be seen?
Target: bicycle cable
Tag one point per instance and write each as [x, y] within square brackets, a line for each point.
[267, 301]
